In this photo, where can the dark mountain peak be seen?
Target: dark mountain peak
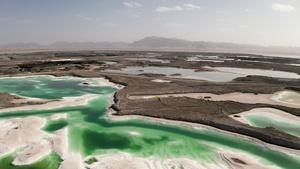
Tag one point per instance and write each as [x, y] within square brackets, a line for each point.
[158, 42]
[21, 45]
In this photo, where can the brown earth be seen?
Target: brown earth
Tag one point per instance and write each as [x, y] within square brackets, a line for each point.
[203, 111]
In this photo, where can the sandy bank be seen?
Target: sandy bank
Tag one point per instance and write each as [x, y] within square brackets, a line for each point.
[229, 160]
[241, 160]
[124, 160]
[236, 97]
[58, 116]
[161, 81]
[65, 102]
[33, 152]
[25, 132]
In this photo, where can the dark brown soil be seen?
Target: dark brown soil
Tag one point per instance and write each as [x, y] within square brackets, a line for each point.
[201, 111]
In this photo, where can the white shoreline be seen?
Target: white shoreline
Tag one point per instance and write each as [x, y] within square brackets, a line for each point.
[65, 102]
[251, 161]
[279, 96]
[123, 160]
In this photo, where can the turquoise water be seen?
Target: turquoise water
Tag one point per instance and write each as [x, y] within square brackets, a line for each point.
[90, 133]
[48, 88]
[188, 73]
[263, 121]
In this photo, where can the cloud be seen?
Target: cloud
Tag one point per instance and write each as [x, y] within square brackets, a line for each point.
[247, 10]
[132, 4]
[191, 6]
[282, 8]
[177, 8]
[166, 9]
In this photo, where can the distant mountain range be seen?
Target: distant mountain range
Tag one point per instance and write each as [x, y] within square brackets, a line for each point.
[159, 43]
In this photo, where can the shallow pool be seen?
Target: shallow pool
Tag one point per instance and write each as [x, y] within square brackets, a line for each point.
[185, 73]
[150, 59]
[258, 72]
[289, 97]
[285, 125]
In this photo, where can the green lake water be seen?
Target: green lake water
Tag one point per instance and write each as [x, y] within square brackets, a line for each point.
[263, 121]
[90, 133]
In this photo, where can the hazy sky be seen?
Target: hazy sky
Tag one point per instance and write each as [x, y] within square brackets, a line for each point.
[263, 22]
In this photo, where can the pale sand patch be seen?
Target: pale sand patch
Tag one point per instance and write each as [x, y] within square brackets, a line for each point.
[124, 160]
[284, 93]
[133, 133]
[33, 152]
[60, 142]
[269, 112]
[249, 98]
[26, 132]
[64, 102]
[251, 162]
[161, 81]
[58, 116]
[105, 82]
[20, 132]
[26, 99]
[191, 164]
[72, 161]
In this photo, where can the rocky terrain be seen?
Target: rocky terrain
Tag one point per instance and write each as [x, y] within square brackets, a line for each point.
[200, 110]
